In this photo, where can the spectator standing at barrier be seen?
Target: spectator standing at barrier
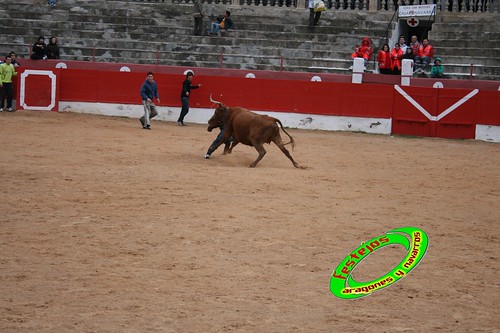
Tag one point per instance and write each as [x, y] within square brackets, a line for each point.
[410, 56]
[424, 56]
[363, 51]
[438, 69]
[13, 56]
[7, 71]
[52, 50]
[223, 22]
[198, 17]
[384, 60]
[149, 91]
[39, 49]
[185, 94]
[396, 57]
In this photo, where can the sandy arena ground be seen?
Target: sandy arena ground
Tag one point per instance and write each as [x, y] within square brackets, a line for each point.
[105, 227]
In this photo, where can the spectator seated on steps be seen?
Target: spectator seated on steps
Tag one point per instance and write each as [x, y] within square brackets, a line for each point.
[438, 69]
[424, 56]
[363, 51]
[223, 23]
[39, 49]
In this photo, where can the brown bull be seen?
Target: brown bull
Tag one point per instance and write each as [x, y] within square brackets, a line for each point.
[250, 129]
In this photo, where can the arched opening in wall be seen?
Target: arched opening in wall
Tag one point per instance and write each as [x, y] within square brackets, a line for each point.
[421, 30]
[415, 21]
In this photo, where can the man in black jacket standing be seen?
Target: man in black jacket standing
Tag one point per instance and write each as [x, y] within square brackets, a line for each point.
[185, 94]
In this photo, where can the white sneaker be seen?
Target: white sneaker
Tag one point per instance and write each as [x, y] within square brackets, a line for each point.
[207, 156]
[1, 109]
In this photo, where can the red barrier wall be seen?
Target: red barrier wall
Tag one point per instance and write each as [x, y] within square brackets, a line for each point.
[454, 113]
[325, 98]
[489, 108]
[422, 111]
[261, 74]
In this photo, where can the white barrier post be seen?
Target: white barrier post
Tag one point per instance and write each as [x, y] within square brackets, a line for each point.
[358, 68]
[406, 72]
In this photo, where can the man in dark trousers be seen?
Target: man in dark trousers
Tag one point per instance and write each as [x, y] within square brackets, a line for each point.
[149, 91]
[7, 72]
[216, 141]
[198, 17]
[185, 94]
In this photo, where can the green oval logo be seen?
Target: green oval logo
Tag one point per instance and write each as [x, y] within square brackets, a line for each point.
[414, 240]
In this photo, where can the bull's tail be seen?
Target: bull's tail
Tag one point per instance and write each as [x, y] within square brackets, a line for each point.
[292, 141]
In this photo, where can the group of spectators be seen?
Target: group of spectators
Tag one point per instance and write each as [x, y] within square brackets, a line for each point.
[390, 61]
[8, 68]
[7, 73]
[43, 51]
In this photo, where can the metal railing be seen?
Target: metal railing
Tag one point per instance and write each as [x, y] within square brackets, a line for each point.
[457, 6]
[277, 63]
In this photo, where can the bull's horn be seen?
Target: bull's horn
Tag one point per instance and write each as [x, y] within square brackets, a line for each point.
[214, 101]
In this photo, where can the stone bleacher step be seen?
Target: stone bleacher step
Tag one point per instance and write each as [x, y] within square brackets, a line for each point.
[131, 32]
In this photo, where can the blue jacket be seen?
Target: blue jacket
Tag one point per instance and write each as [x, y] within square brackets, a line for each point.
[149, 90]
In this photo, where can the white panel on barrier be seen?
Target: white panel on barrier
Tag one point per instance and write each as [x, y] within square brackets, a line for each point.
[358, 68]
[406, 72]
[22, 94]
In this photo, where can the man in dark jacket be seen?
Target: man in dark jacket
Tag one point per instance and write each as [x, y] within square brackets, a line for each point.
[149, 91]
[39, 49]
[185, 94]
[223, 22]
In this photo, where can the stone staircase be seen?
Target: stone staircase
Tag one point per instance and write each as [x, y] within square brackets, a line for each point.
[120, 31]
[461, 40]
[264, 38]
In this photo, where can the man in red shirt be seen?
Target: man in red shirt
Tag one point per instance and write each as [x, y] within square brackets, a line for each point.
[424, 56]
[414, 44]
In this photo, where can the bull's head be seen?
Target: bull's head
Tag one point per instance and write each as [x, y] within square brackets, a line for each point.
[218, 118]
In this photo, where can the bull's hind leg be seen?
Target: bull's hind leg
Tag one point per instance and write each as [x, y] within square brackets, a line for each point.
[285, 151]
[262, 152]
